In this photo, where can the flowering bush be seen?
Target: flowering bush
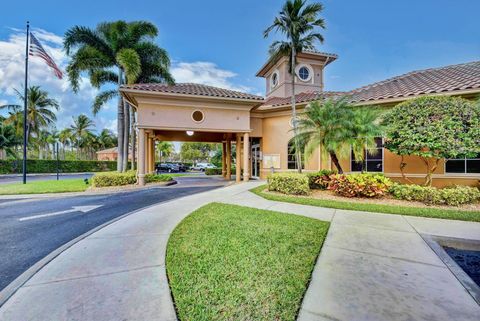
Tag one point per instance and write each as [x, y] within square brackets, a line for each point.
[288, 183]
[360, 185]
[321, 179]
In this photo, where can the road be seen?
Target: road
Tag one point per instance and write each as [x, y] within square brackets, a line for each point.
[6, 179]
[29, 230]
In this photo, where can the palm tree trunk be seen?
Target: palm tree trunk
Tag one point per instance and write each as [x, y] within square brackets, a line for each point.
[294, 115]
[126, 135]
[120, 125]
[335, 161]
[134, 137]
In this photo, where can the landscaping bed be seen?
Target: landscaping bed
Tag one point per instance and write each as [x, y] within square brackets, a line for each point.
[228, 262]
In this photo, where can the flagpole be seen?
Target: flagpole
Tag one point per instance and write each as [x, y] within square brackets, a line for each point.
[25, 98]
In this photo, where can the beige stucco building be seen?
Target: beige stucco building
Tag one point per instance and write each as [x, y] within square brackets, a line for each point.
[262, 126]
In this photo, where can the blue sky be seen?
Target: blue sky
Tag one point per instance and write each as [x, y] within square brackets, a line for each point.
[221, 43]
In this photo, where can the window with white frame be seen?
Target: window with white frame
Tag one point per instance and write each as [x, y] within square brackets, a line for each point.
[463, 165]
[372, 158]
[291, 156]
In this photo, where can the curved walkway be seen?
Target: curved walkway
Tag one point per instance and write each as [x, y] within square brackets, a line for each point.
[372, 267]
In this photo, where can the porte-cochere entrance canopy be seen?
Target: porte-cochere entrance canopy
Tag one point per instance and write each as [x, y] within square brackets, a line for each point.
[192, 112]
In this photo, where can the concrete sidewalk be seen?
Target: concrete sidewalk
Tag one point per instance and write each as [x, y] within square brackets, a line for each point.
[372, 267]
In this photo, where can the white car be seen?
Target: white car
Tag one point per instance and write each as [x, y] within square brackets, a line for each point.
[202, 166]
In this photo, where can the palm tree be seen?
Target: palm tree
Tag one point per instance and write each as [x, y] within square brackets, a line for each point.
[80, 131]
[65, 138]
[40, 108]
[114, 45]
[107, 139]
[165, 149]
[8, 139]
[297, 21]
[337, 127]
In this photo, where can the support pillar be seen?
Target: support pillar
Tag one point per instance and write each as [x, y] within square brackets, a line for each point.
[149, 154]
[141, 157]
[224, 159]
[228, 175]
[238, 159]
[152, 156]
[246, 160]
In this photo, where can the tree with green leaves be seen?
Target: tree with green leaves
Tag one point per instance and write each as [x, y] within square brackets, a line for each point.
[194, 152]
[337, 127]
[40, 110]
[298, 23]
[116, 52]
[65, 138]
[107, 139]
[165, 149]
[433, 128]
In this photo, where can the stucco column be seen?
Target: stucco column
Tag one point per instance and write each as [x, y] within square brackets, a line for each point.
[224, 156]
[246, 153]
[152, 155]
[228, 176]
[238, 159]
[147, 160]
[141, 157]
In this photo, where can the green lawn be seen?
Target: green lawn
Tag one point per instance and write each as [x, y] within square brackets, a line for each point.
[228, 262]
[451, 214]
[40, 187]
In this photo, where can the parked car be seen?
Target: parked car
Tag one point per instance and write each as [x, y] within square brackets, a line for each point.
[202, 166]
[182, 167]
[167, 167]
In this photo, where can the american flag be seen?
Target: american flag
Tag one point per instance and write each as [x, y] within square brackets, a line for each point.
[37, 50]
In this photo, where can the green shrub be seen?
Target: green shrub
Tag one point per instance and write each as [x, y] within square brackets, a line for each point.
[50, 166]
[360, 185]
[453, 196]
[289, 183]
[213, 171]
[154, 178]
[320, 179]
[114, 179]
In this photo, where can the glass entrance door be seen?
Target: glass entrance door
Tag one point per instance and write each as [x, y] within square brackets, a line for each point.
[256, 158]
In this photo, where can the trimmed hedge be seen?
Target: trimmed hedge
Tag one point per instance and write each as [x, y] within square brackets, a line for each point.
[289, 183]
[320, 179]
[213, 171]
[114, 179]
[50, 166]
[453, 196]
[360, 185]
[154, 178]
[128, 178]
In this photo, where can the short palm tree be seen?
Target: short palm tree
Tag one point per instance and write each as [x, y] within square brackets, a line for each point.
[337, 127]
[115, 52]
[106, 139]
[65, 138]
[8, 139]
[298, 22]
[40, 110]
[81, 129]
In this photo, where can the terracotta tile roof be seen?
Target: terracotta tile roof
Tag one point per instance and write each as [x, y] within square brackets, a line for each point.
[303, 97]
[429, 81]
[108, 150]
[194, 89]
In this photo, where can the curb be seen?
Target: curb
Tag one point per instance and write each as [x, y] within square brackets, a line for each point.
[16, 284]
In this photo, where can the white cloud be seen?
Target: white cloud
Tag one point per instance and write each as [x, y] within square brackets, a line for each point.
[206, 73]
[12, 73]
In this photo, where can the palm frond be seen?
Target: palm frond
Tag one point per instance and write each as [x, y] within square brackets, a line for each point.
[101, 99]
[129, 60]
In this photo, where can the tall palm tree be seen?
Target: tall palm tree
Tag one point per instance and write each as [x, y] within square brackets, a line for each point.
[81, 129]
[112, 45]
[40, 110]
[298, 22]
[337, 127]
[165, 149]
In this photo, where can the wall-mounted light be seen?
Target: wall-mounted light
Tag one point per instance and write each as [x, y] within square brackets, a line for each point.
[190, 132]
